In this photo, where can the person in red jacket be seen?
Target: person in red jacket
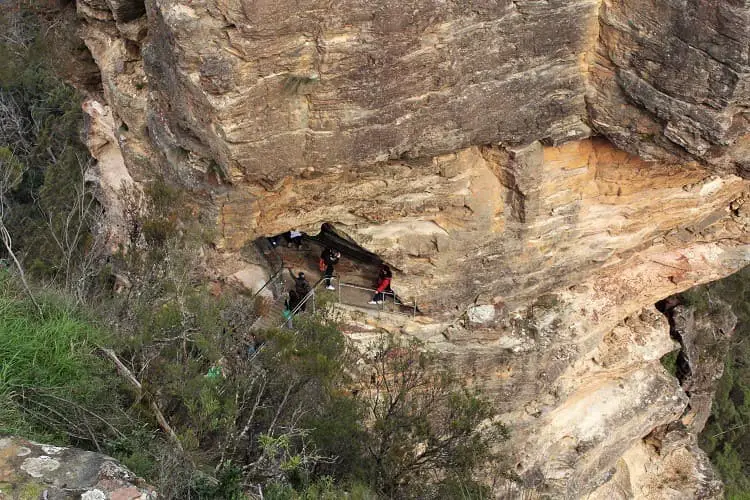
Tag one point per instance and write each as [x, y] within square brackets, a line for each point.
[384, 285]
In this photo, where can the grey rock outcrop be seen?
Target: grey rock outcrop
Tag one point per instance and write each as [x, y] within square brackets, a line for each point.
[671, 80]
[32, 470]
[704, 334]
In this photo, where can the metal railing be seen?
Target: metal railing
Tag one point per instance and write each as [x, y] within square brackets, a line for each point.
[308, 296]
[276, 280]
[381, 304]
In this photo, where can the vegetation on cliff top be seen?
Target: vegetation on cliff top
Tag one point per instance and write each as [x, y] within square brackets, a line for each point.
[52, 385]
[46, 205]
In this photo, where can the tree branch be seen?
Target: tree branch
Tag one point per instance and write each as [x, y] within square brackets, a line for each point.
[128, 375]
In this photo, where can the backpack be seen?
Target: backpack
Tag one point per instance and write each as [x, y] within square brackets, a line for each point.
[322, 265]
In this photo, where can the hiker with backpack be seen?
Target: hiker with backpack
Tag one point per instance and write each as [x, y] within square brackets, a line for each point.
[301, 289]
[328, 259]
[383, 286]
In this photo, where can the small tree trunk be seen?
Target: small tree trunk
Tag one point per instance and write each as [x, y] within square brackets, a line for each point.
[8, 243]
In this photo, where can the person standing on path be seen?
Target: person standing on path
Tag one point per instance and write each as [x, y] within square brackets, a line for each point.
[328, 260]
[301, 289]
[384, 285]
[294, 237]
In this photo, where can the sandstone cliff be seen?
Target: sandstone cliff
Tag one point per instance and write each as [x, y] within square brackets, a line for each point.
[558, 165]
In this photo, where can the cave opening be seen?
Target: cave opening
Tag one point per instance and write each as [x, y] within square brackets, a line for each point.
[356, 273]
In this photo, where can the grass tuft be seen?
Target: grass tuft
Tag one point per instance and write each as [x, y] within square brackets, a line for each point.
[49, 368]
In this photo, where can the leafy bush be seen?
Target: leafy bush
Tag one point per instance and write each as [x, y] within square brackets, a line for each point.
[669, 362]
[50, 212]
[428, 434]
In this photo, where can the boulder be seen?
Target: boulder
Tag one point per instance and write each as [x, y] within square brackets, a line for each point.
[253, 278]
[33, 470]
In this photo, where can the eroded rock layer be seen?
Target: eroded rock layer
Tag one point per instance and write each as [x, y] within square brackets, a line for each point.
[671, 79]
[537, 173]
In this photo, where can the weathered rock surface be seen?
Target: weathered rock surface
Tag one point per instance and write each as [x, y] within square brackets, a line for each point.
[663, 466]
[487, 224]
[270, 88]
[252, 278]
[671, 79]
[267, 90]
[30, 470]
[704, 335]
[454, 140]
[667, 463]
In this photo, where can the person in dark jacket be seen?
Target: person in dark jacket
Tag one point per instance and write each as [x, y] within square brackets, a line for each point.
[301, 289]
[289, 304]
[383, 286]
[329, 258]
[292, 301]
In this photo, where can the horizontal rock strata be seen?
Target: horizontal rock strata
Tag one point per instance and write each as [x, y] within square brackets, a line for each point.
[538, 174]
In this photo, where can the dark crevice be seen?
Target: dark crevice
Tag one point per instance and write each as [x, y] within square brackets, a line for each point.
[681, 365]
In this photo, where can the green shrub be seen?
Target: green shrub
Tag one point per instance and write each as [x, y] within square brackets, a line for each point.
[324, 488]
[669, 362]
[429, 434]
[50, 212]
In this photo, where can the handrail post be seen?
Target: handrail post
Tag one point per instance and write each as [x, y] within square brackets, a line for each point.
[338, 285]
[313, 301]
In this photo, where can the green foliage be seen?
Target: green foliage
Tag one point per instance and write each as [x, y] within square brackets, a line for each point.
[226, 486]
[669, 362]
[429, 433]
[53, 386]
[11, 168]
[135, 449]
[50, 210]
[325, 488]
[726, 437]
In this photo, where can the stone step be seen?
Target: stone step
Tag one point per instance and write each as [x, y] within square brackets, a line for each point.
[272, 318]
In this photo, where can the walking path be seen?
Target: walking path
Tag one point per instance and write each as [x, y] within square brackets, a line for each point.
[356, 287]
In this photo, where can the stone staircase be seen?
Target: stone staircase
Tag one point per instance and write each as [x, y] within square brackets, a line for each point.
[272, 318]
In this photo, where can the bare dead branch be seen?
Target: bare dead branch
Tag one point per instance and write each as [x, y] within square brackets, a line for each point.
[128, 375]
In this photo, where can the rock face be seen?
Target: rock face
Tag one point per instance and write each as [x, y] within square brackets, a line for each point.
[31, 470]
[704, 336]
[267, 90]
[671, 79]
[667, 463]
[321, 84]
[537, 174]
[490, 224]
